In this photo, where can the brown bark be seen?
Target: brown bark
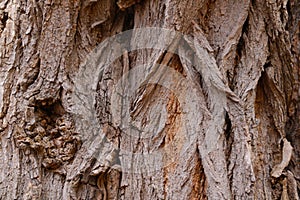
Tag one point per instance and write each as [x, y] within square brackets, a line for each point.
[222, 121]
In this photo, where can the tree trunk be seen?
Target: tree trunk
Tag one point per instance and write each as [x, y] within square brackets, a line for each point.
[192, 100]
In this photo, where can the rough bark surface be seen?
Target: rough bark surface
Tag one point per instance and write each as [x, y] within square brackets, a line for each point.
[243, 91]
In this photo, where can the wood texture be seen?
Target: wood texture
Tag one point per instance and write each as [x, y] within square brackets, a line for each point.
[232, 131]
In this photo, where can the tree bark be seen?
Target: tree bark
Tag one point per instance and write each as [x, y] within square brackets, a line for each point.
[211, 111]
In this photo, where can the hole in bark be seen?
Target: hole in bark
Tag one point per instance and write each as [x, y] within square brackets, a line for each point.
[129, 20]
[53, 110]
[228, 126]
[164, 7]
[229, 138]
[288, 8]
[246, 26]
[267, 64]
[282, 16]
[50, 131]
[241, 42]
[4, 19]
[46, 114]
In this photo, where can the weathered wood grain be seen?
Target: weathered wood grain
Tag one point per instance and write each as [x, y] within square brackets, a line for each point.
[214, 114]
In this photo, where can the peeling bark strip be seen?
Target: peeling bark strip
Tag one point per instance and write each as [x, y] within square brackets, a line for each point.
[210, 112]
[286, 157]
